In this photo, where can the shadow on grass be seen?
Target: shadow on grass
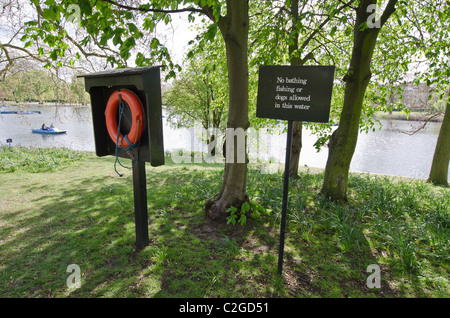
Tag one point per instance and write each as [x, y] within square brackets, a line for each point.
[320, 268]
[86, 224]
[90, 222]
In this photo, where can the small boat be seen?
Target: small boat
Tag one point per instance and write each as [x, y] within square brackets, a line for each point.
[49, 131]
[29, 112]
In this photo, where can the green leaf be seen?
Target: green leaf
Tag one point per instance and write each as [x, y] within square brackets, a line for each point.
[125, 48]
[242, 220]
[170, 75]
[210, 34]
[54, 55]
[154, 44]
[167, 19]
[28, 44]
[333, 31]
[85, 7]
[245, 207]
[216, 11]
[231, 210]
[363, 26]
[348, 30]
[139, 59]
[117, 40]
[231, 219]
[132, 27]
[255, 214]
[149, 24]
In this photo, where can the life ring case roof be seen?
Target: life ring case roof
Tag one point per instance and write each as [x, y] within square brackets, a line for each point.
[145, 82]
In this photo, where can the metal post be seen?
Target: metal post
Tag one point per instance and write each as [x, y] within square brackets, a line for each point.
[285, 196]
[140, 204]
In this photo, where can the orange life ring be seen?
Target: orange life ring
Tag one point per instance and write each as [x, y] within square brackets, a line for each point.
[137, 115]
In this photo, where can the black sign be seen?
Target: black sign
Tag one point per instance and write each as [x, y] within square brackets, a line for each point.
[299, 93]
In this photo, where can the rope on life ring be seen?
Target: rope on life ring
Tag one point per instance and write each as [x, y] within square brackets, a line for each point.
[116, 102]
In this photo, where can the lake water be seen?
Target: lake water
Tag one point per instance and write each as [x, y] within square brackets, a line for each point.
[385, 151]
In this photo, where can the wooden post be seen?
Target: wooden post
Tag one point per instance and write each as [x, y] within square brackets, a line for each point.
[140, 204]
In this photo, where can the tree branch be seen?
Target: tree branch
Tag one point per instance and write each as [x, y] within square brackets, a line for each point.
[73, 41]
[388, 11]
[14, 47]
[313, 34]
[143, 8]
[416, 130]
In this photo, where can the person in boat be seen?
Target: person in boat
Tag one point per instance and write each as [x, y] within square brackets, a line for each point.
[44, 127]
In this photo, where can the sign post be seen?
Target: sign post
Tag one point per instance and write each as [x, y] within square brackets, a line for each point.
[293, 93]
[285, 196]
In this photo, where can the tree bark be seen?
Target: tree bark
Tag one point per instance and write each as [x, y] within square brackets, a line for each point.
[441, 158]
[343, 140]
[296, 148]
[294, 56]
[234, 29]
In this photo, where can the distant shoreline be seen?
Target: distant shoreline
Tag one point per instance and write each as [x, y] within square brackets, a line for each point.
[34, 104]
[413, 116]
[396, 115]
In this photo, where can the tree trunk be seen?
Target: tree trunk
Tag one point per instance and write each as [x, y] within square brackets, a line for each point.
[441, 158]
[296, 148]
[234, 29]
[294, 56]
[343, 140]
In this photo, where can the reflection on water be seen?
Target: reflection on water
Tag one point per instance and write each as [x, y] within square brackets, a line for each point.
[391, 151]
[385, 151]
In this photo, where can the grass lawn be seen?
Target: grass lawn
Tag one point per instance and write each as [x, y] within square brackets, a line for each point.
[59, 207]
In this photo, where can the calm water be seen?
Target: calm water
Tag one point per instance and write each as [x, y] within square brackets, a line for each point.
[385, 151]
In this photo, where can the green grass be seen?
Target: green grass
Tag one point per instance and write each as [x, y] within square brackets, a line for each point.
[35, 159]
[80, 212]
